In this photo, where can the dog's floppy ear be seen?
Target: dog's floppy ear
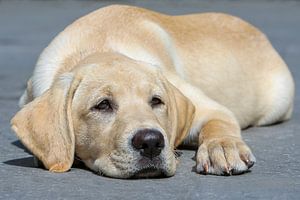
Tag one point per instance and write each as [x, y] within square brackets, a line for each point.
[181, 111]
[45, 125]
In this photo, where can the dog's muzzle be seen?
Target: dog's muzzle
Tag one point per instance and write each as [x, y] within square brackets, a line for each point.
[149, 143]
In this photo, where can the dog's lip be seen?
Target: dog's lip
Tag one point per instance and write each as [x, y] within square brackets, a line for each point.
[147, 168]
[149, 172]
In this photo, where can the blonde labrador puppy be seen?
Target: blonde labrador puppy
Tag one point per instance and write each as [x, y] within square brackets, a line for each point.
[122, 87]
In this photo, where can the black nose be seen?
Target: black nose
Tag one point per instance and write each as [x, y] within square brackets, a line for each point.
[148, 142]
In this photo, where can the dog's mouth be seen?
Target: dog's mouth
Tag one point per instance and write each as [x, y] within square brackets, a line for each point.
[149, 172]
[149, 168]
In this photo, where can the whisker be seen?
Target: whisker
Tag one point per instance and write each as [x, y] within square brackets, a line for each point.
[177, 153]
[77, 158]
[99, 172]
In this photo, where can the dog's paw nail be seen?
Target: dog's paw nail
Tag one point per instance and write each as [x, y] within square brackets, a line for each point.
[205, 167]
[250, 164]
[202, 168]
[227, 171]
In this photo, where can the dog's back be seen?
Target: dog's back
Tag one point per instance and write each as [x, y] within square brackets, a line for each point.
[228, 59]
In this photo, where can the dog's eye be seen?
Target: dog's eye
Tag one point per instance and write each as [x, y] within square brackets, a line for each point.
[104, 106]
[156, 101]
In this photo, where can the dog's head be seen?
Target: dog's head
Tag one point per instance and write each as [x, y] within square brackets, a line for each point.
[121, 117]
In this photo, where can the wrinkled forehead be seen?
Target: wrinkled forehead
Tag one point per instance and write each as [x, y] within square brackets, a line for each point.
[121, 76]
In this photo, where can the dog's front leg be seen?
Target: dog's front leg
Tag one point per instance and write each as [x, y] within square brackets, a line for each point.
[221, 150]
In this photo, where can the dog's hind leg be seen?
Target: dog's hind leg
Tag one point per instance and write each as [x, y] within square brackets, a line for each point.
[279, 98]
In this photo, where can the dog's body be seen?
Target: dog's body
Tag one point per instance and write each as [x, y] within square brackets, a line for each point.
[227, 69]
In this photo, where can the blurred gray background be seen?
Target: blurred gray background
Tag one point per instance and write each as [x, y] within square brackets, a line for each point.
[26, 27]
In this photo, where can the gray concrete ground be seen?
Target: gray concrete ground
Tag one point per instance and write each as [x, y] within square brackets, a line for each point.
[26, 27]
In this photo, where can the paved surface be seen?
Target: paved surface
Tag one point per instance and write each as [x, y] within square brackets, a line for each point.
[26, 27]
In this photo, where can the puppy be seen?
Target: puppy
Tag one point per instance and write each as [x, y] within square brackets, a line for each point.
[123, 86]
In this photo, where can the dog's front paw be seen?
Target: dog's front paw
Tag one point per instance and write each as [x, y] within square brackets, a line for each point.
[224, 156]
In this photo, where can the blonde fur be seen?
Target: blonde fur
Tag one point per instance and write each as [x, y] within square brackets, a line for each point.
[222, 73]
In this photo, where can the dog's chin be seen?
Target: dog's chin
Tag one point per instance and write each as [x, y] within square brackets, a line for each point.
[148, 168]
[149, 172]
[142, 168]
